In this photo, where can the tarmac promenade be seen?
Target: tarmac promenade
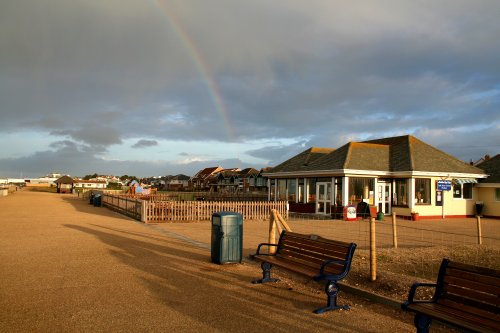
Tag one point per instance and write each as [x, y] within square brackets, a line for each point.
[66, 266]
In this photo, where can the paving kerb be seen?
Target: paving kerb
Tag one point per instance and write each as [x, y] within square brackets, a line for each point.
[68, 266]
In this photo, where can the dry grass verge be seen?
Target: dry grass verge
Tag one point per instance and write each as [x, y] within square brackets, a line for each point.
[397, 269]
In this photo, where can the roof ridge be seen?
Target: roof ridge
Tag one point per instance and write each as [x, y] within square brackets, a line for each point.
[409, 140]
[348, 155]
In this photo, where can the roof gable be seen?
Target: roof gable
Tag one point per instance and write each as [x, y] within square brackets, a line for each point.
[207, 172]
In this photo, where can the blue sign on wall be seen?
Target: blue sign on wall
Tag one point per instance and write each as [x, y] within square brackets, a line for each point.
[444, 185]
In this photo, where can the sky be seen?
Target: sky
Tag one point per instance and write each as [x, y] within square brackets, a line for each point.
[162, 87]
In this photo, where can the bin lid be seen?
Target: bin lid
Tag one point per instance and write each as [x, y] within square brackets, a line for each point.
[221, 214]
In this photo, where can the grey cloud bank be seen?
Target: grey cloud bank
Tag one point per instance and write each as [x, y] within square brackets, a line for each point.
[97, 76]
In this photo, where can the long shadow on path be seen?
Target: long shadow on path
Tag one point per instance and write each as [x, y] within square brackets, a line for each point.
[181, 278]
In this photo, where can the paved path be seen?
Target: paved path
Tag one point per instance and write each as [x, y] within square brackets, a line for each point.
[66, 266]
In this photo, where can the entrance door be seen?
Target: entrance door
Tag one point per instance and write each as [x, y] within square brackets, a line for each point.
[384, 198]
[323, 197]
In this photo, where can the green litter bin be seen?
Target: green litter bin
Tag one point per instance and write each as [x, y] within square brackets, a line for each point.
[227, 237]
[380, 216]
[97, 200]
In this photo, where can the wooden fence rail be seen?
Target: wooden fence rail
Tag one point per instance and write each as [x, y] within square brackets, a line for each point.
[164, 211]
[153, 211]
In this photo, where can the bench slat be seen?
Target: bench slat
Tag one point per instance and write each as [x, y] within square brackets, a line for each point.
[467, 308]
[317, 248]
[289, 265]
[474, 269]
[477, 285]
[319, 243]
[471, 302]
[462, 319]
[471, 276]
[469, 295]
[316, 238]
[316, 265]
[315, 256]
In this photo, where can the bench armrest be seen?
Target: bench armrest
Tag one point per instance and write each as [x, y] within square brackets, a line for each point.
[264, 244]
[413, 290]
[324, 266]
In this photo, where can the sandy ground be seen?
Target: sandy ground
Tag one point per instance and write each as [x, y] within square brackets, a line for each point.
[68, 266]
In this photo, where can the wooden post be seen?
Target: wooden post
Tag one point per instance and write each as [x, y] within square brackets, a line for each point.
[283, 222]
[272, 231]
[373, 251]
[144, 217]
[479, 233]
[394, 231]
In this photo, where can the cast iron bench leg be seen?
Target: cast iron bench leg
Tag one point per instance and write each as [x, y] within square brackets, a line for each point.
[331, 290]
[266, 274]
[422, 323]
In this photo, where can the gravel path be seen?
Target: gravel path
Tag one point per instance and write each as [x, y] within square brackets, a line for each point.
[66, 266]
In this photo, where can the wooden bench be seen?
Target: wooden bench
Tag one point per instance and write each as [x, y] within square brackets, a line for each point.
[465, 296]
[313, 256]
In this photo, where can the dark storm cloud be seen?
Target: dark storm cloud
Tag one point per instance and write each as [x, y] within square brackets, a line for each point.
[279, 153]
[97, 73]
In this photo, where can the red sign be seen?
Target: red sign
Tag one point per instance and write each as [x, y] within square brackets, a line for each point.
[350, 213]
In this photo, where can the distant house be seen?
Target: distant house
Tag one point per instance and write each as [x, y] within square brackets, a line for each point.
[226, 181]
[177, 183]
[489, 188]
[257, 182]
[64, 184]
[89, 184]
[396, 174]
[201, 181]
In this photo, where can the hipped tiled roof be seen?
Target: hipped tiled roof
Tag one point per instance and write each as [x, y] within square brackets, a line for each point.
[403, 153]
[302, 161]
[65, 180]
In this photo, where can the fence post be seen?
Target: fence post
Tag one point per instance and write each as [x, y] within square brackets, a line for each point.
[143, 211]
[272, 231]
[394, 231]
[479, 233]
[373, 251]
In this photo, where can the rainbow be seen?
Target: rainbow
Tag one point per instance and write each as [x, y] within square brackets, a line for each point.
[201, 66]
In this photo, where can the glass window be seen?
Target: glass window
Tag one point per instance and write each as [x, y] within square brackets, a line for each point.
[400, 197]
[422, 191]
[467, 191]
[462, 191]
[497, 194]
[291, 187]
[338, 191]
[360, 189]
[311, 184]
[281, 189]
[273, 189]
[457, 191]
[301, 190]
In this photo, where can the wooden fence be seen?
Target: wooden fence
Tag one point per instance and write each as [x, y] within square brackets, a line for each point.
[153, 211]
[121, 203]
[202, 210]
